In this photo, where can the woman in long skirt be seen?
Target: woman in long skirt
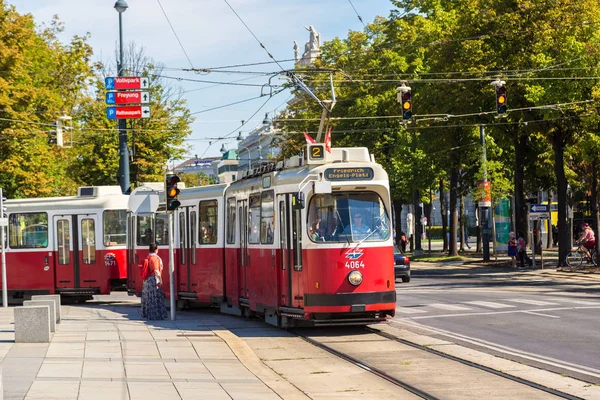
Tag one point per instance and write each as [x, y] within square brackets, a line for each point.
[153, 298]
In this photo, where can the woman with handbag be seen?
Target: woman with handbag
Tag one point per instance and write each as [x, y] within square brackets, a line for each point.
[512, 249]
[153, 298]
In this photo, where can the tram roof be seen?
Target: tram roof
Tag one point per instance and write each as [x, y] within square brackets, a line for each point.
[109, 197]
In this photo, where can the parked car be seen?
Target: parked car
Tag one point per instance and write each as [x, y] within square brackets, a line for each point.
[401, 265]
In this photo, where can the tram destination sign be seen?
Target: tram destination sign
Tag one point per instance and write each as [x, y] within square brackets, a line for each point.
[349, 174]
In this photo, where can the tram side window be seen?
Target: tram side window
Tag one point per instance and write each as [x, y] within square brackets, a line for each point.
[114, 224]
[145, 236]
[27, 231]
[162, 229]
[63, 240]
[88, 241]
[254, 219]
[208, 222]
[267, 221]
[182, 237]
[231, 220]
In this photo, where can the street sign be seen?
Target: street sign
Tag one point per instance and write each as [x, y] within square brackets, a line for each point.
[127, 98]
[127, 83]
[539, 211]
[133, 112]
[539, 208]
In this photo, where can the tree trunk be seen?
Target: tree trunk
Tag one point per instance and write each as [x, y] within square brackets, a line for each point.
[549, 238]
[561, 185]
[418, 215]
[452, 250]
[461, 220]
[398, 219]
[594, 190]
[521, 206]
[444, 214]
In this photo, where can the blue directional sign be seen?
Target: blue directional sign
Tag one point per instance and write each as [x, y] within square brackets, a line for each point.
[109, 83]
[539, 208]
[111, 112]
[110, 98]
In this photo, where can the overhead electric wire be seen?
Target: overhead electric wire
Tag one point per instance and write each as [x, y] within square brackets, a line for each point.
[215, 82]
[175, 33]
[252, 33]
[248, 64]
[232, 104]
[356, 12]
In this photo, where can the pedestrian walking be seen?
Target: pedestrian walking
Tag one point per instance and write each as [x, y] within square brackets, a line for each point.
[403, 242]
[512, 249]
[522, 250]
[153, 298]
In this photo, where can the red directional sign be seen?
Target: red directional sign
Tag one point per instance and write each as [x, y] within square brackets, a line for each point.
[127, 98]
[126, 83]
[128, 112]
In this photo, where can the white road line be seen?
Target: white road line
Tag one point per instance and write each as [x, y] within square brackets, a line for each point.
[574, 301]
[450, 307]
[489, 304]
[408, 310]
[532, 302]
[540, 314]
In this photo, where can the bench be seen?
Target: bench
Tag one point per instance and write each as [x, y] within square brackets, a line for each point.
[55, 297]
[50, 304]
[32, 324]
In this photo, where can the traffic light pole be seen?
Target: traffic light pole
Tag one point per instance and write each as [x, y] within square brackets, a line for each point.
[485, 211]
[171, 267]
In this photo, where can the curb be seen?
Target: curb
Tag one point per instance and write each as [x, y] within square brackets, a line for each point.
[250, 360]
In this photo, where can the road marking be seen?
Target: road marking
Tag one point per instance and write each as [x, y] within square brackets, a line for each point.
[508, 350]
[489, 304]
[574, 301]
[409, 310]
[532, 302]
[450, 307]
[540, 314]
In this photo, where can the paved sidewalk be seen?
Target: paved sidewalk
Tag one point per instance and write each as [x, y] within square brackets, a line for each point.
[105, 351]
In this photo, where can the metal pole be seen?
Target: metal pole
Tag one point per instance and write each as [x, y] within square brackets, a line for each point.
[123, 149]
[171, 267]
[4, 285]
[485, 238]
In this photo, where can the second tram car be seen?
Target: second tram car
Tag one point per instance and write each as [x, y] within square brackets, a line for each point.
[72, 246]
[303, 242]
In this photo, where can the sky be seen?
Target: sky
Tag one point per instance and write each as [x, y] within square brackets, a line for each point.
[211, 35]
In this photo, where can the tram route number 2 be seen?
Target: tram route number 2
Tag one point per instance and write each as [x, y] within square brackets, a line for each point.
[355, 264]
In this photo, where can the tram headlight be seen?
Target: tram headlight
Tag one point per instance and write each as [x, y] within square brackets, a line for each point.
[355, 278]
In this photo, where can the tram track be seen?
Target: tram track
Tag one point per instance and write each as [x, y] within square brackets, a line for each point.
[334, 344]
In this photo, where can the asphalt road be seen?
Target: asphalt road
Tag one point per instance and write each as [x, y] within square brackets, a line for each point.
[520, 315]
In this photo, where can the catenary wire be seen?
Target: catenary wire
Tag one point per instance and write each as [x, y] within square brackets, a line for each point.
[356, 12]
[175, 33]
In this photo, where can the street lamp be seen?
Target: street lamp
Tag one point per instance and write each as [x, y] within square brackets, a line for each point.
[121, 6]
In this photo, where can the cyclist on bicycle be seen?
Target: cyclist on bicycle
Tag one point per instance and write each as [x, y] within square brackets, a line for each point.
[587, 239]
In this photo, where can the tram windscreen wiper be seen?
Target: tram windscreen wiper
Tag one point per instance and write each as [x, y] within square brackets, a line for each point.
[339, 222]
[377, 229]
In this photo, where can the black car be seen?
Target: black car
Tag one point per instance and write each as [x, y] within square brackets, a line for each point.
[401, 265]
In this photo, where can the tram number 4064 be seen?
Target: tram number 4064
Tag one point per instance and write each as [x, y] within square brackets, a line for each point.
[355, 264]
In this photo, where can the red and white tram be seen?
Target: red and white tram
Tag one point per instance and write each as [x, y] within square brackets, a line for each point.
[67, 245]
[281, 242]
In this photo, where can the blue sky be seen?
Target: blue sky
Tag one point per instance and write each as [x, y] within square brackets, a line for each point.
[212, 36]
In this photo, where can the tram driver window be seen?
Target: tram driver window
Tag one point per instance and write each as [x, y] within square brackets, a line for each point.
[28, 230]
[114, 224]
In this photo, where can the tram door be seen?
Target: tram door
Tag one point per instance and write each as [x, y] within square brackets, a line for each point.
[64, 265]
[243, 257]
[291, 262]
[89, 272]
[187, 248]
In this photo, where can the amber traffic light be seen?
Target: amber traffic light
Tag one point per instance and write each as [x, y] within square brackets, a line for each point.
[172, 191]
[501, 99]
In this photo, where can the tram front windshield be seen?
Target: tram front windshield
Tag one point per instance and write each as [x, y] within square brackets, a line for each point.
[348, 217]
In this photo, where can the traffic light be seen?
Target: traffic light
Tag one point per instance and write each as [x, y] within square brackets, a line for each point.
[172, 191]
[406, 105]
[501, 99]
